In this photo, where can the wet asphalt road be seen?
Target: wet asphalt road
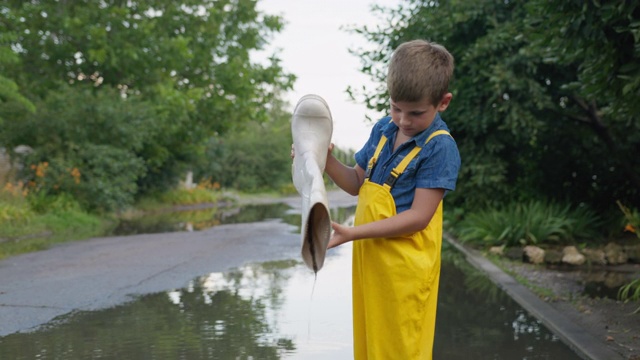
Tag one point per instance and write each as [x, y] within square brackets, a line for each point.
[104, 272]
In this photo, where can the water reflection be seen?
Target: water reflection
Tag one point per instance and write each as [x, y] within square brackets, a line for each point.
[196, 219]
[279, 310]
[201, 219]
[606, 283]
[219, 316]
[476, 317]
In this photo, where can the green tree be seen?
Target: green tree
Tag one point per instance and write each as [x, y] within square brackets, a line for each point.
[254, 157]
[597, 47]
[11, 99]
[187, 63]
[543, 95]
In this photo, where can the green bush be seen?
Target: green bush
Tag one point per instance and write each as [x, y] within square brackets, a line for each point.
[98, 177]
[41, 203]
[87, 150]
[11, 213]
[631, 221]
[535, 222]
[254, 159]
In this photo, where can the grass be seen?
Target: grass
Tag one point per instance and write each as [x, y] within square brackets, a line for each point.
[534, 222]
[32, 223]
[41, 231]
[205, 193]
[542, 292]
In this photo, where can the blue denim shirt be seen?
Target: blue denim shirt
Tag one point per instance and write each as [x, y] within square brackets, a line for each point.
[436, 165]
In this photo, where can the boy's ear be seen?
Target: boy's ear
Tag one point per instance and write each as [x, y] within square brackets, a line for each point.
[444, 103]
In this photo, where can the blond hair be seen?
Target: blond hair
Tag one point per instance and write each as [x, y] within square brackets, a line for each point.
[419, 69]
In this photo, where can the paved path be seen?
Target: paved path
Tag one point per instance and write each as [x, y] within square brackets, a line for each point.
[104, 272]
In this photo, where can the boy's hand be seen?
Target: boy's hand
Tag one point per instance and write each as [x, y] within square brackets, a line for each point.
[293, 151]
[340, 235]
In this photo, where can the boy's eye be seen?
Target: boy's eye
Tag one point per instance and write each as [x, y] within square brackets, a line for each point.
[417, 113]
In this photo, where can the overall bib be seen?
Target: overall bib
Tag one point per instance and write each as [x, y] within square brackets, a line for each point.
[395, 280]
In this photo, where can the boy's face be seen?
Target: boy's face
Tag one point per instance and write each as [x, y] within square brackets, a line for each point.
[413, 117]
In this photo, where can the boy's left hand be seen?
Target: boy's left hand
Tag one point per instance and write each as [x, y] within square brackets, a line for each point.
[340, 235]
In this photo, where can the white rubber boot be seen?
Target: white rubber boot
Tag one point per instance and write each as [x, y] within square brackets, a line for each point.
[312, 127]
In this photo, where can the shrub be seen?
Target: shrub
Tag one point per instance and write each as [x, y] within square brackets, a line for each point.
[631, 219]
[255, 159]
[42, 203]
[98, 177]
[14, 213]
[13, 207]
[534, 222]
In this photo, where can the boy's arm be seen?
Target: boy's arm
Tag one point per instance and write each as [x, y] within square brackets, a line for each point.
[347, 178]
[425, 203]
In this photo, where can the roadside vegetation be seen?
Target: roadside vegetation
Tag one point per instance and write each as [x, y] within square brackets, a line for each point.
[32, 217]
[532, 223]
[31, 222]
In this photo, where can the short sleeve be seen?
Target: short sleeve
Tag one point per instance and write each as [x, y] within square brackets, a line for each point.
[439, 164]
[362, 157]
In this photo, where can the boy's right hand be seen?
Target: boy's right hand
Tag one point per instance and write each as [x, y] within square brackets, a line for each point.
[293, 151]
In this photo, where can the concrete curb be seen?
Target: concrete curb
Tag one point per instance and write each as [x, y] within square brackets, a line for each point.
[582, 343]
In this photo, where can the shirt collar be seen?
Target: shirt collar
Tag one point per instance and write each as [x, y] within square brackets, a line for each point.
[390, 130]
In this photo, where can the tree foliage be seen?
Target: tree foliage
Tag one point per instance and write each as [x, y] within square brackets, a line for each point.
[254, 157]
[11, 99]
[543, 94]
[148, 82]
[99, 137]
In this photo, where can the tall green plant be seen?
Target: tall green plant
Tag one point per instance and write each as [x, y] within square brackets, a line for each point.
[631, 218]
[535, 222]
[631, 291]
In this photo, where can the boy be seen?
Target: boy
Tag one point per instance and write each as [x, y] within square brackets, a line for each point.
[401, 176]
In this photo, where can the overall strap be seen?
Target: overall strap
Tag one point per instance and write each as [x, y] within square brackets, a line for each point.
[398, 170]
[374, 158]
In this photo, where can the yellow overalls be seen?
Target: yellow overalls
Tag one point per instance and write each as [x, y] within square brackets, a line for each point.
[395, 280]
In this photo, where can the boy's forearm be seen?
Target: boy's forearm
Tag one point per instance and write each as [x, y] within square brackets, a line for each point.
[425, 204]
[347, 178]
[407, 222]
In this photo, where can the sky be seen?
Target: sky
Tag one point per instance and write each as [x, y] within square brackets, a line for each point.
[315, 49]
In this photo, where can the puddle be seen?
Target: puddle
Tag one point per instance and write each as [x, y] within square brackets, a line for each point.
[197, 219]
[202, 219]
[278, 310]
[601, 283]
